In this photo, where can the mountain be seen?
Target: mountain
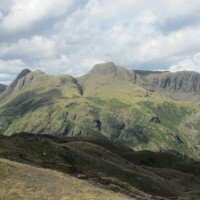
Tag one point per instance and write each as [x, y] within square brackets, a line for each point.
[179, 85]
[23, 80]
[107, 170]
[140, 109]
[2, 88]
[13, 86]
[111, 70]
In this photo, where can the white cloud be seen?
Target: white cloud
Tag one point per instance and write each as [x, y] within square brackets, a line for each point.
[70, 36]
[35, 48]
[1, 16]
[9, 69]
[11, 66]
[191, 63]
[24, 14]
[165, 46]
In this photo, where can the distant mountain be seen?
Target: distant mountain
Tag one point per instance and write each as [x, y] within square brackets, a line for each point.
[141, 109]
[172, 84]
[111, 70]
[15, 83]
[2, 88]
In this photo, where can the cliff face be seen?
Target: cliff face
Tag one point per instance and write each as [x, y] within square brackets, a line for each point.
[14, 84]
[181, 84]
[178, 81]
[25, 79]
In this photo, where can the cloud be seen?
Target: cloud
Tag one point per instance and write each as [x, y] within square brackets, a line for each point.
[173, 24]
[29, 49]
[70, 36]
[9, 69]
[24, 15]
[190, 63]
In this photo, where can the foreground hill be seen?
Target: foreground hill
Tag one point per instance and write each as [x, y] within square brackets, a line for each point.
[20, 181]
[138, 175]
[110, 101]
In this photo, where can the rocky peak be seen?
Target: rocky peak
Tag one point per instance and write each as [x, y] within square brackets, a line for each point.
[111, 70]
[11, 87]
[108, 68]
[24, 79]
[23, 73]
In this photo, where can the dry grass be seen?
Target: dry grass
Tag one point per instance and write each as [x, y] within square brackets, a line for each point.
[21, 181]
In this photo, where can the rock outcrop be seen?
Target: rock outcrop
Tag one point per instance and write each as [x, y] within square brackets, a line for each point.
[111, 70]
[23, 80]
[14, 84]
[183, 81]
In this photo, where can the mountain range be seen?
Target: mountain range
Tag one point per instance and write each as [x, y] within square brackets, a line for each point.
[128, 134]
[145, 110]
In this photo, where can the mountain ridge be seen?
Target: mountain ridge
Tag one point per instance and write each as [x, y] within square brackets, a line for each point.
[180, 81]
[108, 102]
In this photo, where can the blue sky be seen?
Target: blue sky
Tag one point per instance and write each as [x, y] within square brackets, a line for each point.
[70, 36]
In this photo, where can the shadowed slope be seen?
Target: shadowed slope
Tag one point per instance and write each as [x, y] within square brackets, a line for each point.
[114, 167]
[20, 181]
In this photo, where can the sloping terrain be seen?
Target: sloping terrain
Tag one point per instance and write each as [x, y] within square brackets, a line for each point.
[2, 88]
[140, 175]
[110, 102]
[20, 181]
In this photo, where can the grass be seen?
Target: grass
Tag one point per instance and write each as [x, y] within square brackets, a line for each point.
[21, 181]
[107, 164]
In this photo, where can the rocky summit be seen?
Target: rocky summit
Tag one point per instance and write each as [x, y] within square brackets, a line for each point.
[109, 69]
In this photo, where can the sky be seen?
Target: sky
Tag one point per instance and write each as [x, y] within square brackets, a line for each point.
[70, 36]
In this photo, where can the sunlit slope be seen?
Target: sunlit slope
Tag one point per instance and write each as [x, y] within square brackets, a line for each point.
[142, 118]
[20, 181]
[106, 102]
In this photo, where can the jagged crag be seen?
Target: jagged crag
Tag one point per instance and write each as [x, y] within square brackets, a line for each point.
[98, 123]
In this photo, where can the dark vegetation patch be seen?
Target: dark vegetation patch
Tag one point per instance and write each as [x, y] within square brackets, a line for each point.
[106, 163]
[135, 134]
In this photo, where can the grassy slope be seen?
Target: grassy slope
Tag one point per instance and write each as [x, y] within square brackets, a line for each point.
[21, 181]
[122, 108]
[133, 104]
[113, 167]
